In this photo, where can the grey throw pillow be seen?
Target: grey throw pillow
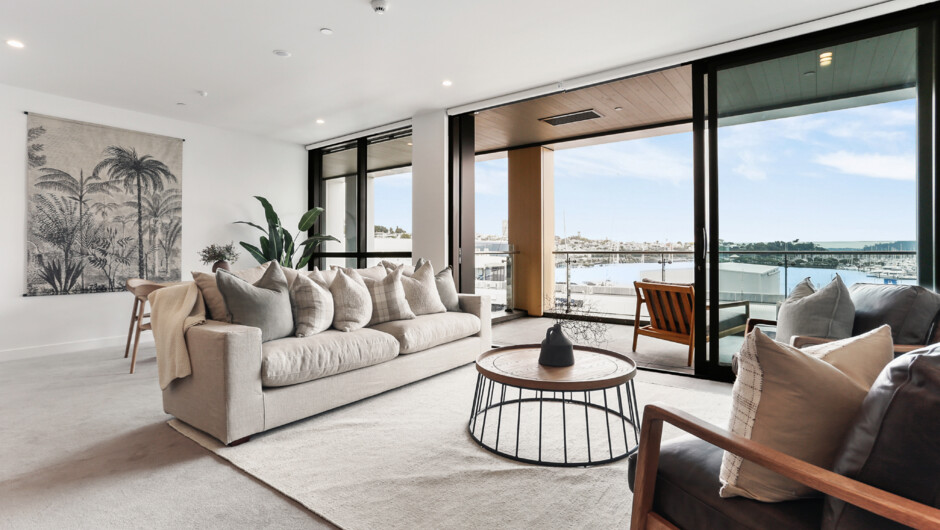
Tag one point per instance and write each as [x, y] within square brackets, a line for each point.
[827, 313]
[446, 288]
[352, 304]
[264, 304]
[421, 290]
[313, 306]
[388, 299]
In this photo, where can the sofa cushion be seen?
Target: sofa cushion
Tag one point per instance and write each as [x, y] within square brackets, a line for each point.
[894, 442]
[447, 289]
[861, 358]
[791, 402]
[352, 303]
[910, 310]
[687, 493]
[827, 313]
[312, 304]
[294, 360]
[428, 331]
[215, 303]
[264, 304]
[324, 278]
[421, 291]
[375, 272]
[388, 299]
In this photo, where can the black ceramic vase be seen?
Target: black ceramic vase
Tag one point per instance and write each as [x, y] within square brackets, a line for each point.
[557, 350]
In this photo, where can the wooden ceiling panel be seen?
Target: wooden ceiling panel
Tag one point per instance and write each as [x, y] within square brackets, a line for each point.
[658, 97]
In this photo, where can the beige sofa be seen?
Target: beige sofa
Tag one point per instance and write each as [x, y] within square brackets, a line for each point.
[240, 387]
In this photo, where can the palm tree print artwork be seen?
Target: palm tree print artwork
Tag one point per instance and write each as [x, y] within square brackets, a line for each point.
[104, 205]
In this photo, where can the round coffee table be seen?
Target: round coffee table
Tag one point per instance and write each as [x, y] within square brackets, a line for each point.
[599, 384]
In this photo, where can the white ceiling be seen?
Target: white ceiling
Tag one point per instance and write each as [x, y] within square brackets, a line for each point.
[375, 69]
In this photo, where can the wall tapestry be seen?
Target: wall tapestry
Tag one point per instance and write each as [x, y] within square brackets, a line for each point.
[103, 205]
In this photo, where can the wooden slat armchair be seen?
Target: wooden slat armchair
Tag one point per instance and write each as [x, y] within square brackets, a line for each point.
[870, 498]
[671, 310]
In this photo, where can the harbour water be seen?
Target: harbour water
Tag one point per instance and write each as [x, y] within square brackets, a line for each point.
[624, 274]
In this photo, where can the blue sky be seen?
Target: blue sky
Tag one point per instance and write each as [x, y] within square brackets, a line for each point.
[843, 175]
[393, 201]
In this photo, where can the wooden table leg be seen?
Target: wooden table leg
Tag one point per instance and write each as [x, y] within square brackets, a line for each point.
[140, 316]
[130, 330]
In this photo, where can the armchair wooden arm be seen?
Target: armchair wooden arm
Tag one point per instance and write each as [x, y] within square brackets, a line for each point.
[723, 305]
[754, 322]
[894, 507]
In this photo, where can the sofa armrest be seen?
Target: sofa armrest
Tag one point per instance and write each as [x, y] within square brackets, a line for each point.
[479, 305]
[870, 498]
[223, 395]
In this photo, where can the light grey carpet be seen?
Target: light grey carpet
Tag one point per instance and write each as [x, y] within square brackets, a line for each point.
[86, 445]
[405, 460]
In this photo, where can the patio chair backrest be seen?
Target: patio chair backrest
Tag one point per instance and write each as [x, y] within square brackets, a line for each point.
[670, 305]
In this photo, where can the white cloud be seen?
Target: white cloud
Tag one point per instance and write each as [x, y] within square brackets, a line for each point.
[491, 178]
[634, 159]
[894, 167]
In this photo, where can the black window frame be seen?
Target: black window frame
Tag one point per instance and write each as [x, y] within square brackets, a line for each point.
[316, 196]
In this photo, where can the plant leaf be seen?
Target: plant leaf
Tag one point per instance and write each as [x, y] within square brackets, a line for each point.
[303, 262]
[264, 248]
[253, 250]
[318, 239]
[249, 223]
[288, 246]
[269, 213]
[308, 219]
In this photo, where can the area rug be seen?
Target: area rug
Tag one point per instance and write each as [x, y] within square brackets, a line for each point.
[404, 459]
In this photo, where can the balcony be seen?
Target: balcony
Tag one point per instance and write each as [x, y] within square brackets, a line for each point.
[600, 283]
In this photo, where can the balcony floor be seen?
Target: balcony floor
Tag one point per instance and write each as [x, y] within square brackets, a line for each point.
[651, 353]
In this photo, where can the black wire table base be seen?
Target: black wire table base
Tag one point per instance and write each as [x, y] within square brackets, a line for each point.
[617, 404]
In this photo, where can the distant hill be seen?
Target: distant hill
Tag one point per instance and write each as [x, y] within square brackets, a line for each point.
[897, 246]
[868, 245]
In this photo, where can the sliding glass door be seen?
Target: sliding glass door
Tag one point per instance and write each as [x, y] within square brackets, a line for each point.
[810, 171]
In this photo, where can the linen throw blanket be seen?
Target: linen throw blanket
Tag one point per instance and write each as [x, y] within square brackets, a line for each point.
[173, 310]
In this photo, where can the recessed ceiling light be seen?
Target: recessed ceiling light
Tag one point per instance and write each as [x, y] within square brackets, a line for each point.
[447, 82]
[281, 53]
[202, 93]
[320, 122]
[409, 143]
[180, 103]
[15, 43]
[618, 109]
[809, 73]
[326, 31]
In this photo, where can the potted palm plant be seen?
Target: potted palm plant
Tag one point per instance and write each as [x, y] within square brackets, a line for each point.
[219, 256]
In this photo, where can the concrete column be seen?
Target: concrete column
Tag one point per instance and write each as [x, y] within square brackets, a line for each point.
[429, 187]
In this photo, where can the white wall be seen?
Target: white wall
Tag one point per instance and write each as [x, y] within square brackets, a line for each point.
[429, 187]
[222, 170]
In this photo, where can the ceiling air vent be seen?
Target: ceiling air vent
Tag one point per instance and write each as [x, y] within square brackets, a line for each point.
[571, 117]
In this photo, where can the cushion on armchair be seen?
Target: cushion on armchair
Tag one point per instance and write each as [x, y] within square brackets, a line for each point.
[910, 310]
[894, 442]
[687, 493]
[789, 401]
[827, 313]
